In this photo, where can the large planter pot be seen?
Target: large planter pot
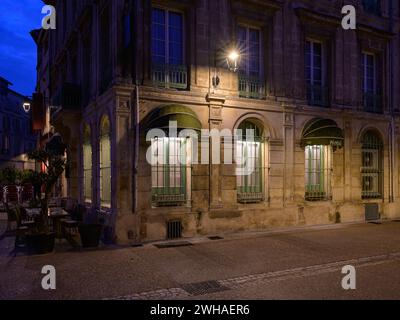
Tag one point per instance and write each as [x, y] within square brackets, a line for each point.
[40, 243]
[90, 235]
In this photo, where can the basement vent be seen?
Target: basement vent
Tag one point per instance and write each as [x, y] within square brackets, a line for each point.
[371, 212]
[174, 229]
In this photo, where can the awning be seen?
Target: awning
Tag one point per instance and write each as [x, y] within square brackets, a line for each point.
[182, 115]
[320, 131]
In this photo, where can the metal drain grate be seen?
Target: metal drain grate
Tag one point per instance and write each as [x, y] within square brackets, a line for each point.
[173, 244]
[215, 238]
[201, 288]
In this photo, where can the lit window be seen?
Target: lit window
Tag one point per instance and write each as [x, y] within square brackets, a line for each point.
[105, 163]
[318, 168]
[87, 165]
[169, 170]
[249, 157]
[6, 144]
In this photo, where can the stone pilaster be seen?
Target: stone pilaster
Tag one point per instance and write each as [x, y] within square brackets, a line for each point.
[215, 120]
[288, 127]
[123, 157]
[348, 146]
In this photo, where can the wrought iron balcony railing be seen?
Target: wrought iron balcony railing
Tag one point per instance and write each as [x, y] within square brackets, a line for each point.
[373, 103]
[317, 96]
[251, 87]
[170, 76]
[250, 197]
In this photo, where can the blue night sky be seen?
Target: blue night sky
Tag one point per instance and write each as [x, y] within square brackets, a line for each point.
[17, 48]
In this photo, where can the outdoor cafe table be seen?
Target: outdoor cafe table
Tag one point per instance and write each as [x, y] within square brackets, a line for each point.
[56, 215]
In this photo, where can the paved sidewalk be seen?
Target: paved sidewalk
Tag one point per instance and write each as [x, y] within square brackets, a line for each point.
[298, 264]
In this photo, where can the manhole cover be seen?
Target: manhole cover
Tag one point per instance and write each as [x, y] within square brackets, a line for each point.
[215, 238]
[201, 288]
[173, 244]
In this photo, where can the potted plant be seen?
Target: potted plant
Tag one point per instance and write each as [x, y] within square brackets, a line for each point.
[90, 230]
[9, 176]
[41, 239]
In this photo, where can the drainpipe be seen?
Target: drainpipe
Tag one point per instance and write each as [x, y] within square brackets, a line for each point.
[391, 106]
[135, 114]
[136, 158]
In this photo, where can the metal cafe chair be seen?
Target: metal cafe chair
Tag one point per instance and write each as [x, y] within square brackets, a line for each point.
[26, 193]
[11, 194]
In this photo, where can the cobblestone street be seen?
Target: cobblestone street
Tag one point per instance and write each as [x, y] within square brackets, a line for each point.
[297, 264]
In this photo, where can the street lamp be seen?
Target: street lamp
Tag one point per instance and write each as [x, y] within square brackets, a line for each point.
[26, 106]
[232, 60]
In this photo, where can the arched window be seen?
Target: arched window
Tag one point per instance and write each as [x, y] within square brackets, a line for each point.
[320, 138]
[171, 156]
[250, 156]
[87, 164]
[371, 168]
[105, 163]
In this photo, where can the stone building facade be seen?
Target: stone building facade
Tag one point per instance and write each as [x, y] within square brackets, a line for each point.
[323, 101]
[16, 135]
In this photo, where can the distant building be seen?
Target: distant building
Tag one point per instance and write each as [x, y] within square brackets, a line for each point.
[324, 103]
[16, 136]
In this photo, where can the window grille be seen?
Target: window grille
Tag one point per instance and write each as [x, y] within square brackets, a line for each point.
[249, 156]
[371, 169]
[105, 164]
[169, 171]
[318, 170]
